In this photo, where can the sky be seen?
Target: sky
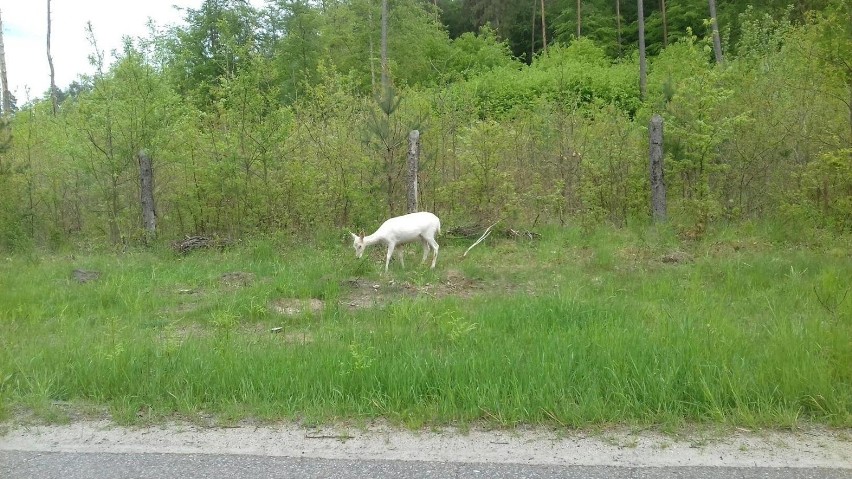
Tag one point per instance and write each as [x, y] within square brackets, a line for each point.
[25, 36]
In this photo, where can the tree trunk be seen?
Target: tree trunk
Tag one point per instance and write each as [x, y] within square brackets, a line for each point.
[717, 42]
[532, 32]
[7, 95]
[658, 185]
[372, 55]
[618, 24]
[543, 29]
[665, 24]
[53, 98]
[146, 187]
[413, 166]
[579, 19]
[384, 47]
[642, 65]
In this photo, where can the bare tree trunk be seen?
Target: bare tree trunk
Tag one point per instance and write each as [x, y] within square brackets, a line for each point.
[543, 29]
[642, 64]
[717, 42]
[532, 32]
[53, 98]
[618, 24]
[372, 55]
[658, 185]
[7, 95]
[146, 187]
[579, 19]
[665, 24]
[413, 167]
[384, 47]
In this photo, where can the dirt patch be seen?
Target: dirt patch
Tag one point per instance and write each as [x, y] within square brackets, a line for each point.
[296, 306]
[236, 279]
[367, 293]
[677, 257]
[83, 276]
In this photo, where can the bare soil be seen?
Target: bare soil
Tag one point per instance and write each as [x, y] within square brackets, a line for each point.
[366, 293]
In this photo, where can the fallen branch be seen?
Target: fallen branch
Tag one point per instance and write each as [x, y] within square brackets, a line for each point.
[515, 234]
[481, 238]
[191, 243]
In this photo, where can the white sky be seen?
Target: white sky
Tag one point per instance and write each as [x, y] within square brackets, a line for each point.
[25, 36]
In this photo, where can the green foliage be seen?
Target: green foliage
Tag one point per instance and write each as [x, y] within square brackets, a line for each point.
[296, 45]
[674, 65]
[472, 54]
[265, 121]
[698, 125]
[579, 71]
[216, 41]
[827, 188]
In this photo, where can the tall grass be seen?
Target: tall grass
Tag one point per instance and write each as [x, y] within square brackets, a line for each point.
[573, 330]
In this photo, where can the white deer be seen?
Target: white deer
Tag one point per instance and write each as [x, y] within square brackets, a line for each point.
[408, 228]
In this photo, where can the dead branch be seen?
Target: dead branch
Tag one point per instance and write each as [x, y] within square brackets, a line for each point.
[481, 238]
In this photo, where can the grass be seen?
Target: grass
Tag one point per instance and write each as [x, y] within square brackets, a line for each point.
[576, 329]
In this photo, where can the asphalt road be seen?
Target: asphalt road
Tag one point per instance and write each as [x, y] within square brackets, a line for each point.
[70, 465]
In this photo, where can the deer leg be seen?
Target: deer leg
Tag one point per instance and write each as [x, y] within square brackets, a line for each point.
[390, 254]
[426, 250]
[434, 245]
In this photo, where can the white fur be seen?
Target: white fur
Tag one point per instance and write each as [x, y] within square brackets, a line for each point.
[408, 228]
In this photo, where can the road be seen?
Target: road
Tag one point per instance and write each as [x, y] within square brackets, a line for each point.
[99, 449]
[65, 465]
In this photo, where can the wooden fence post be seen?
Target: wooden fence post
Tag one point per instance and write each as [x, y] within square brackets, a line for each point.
[146, 187]
[413, 160]
[658, 185]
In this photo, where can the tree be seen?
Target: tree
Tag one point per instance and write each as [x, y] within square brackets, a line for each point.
[618, 24]
[294, 44]
[129, 109]
[642, 66]
[579, 17]
[717, 42]
[4, 81]
[384, 47]
[53, 97]
[835, 37]
[217, 41]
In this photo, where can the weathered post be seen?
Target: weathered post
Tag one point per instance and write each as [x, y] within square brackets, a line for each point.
[658, 185]
[146, 187]
[413, 160]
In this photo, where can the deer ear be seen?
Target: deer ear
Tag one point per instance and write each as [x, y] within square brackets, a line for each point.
[362, 235]
[354, 236]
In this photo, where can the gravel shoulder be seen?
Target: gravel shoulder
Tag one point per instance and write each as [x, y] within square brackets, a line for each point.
[814, 447]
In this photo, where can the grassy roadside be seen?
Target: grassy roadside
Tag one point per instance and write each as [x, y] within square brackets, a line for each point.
[575, 329]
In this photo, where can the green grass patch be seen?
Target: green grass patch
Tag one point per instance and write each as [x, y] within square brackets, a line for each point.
[574, 329]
